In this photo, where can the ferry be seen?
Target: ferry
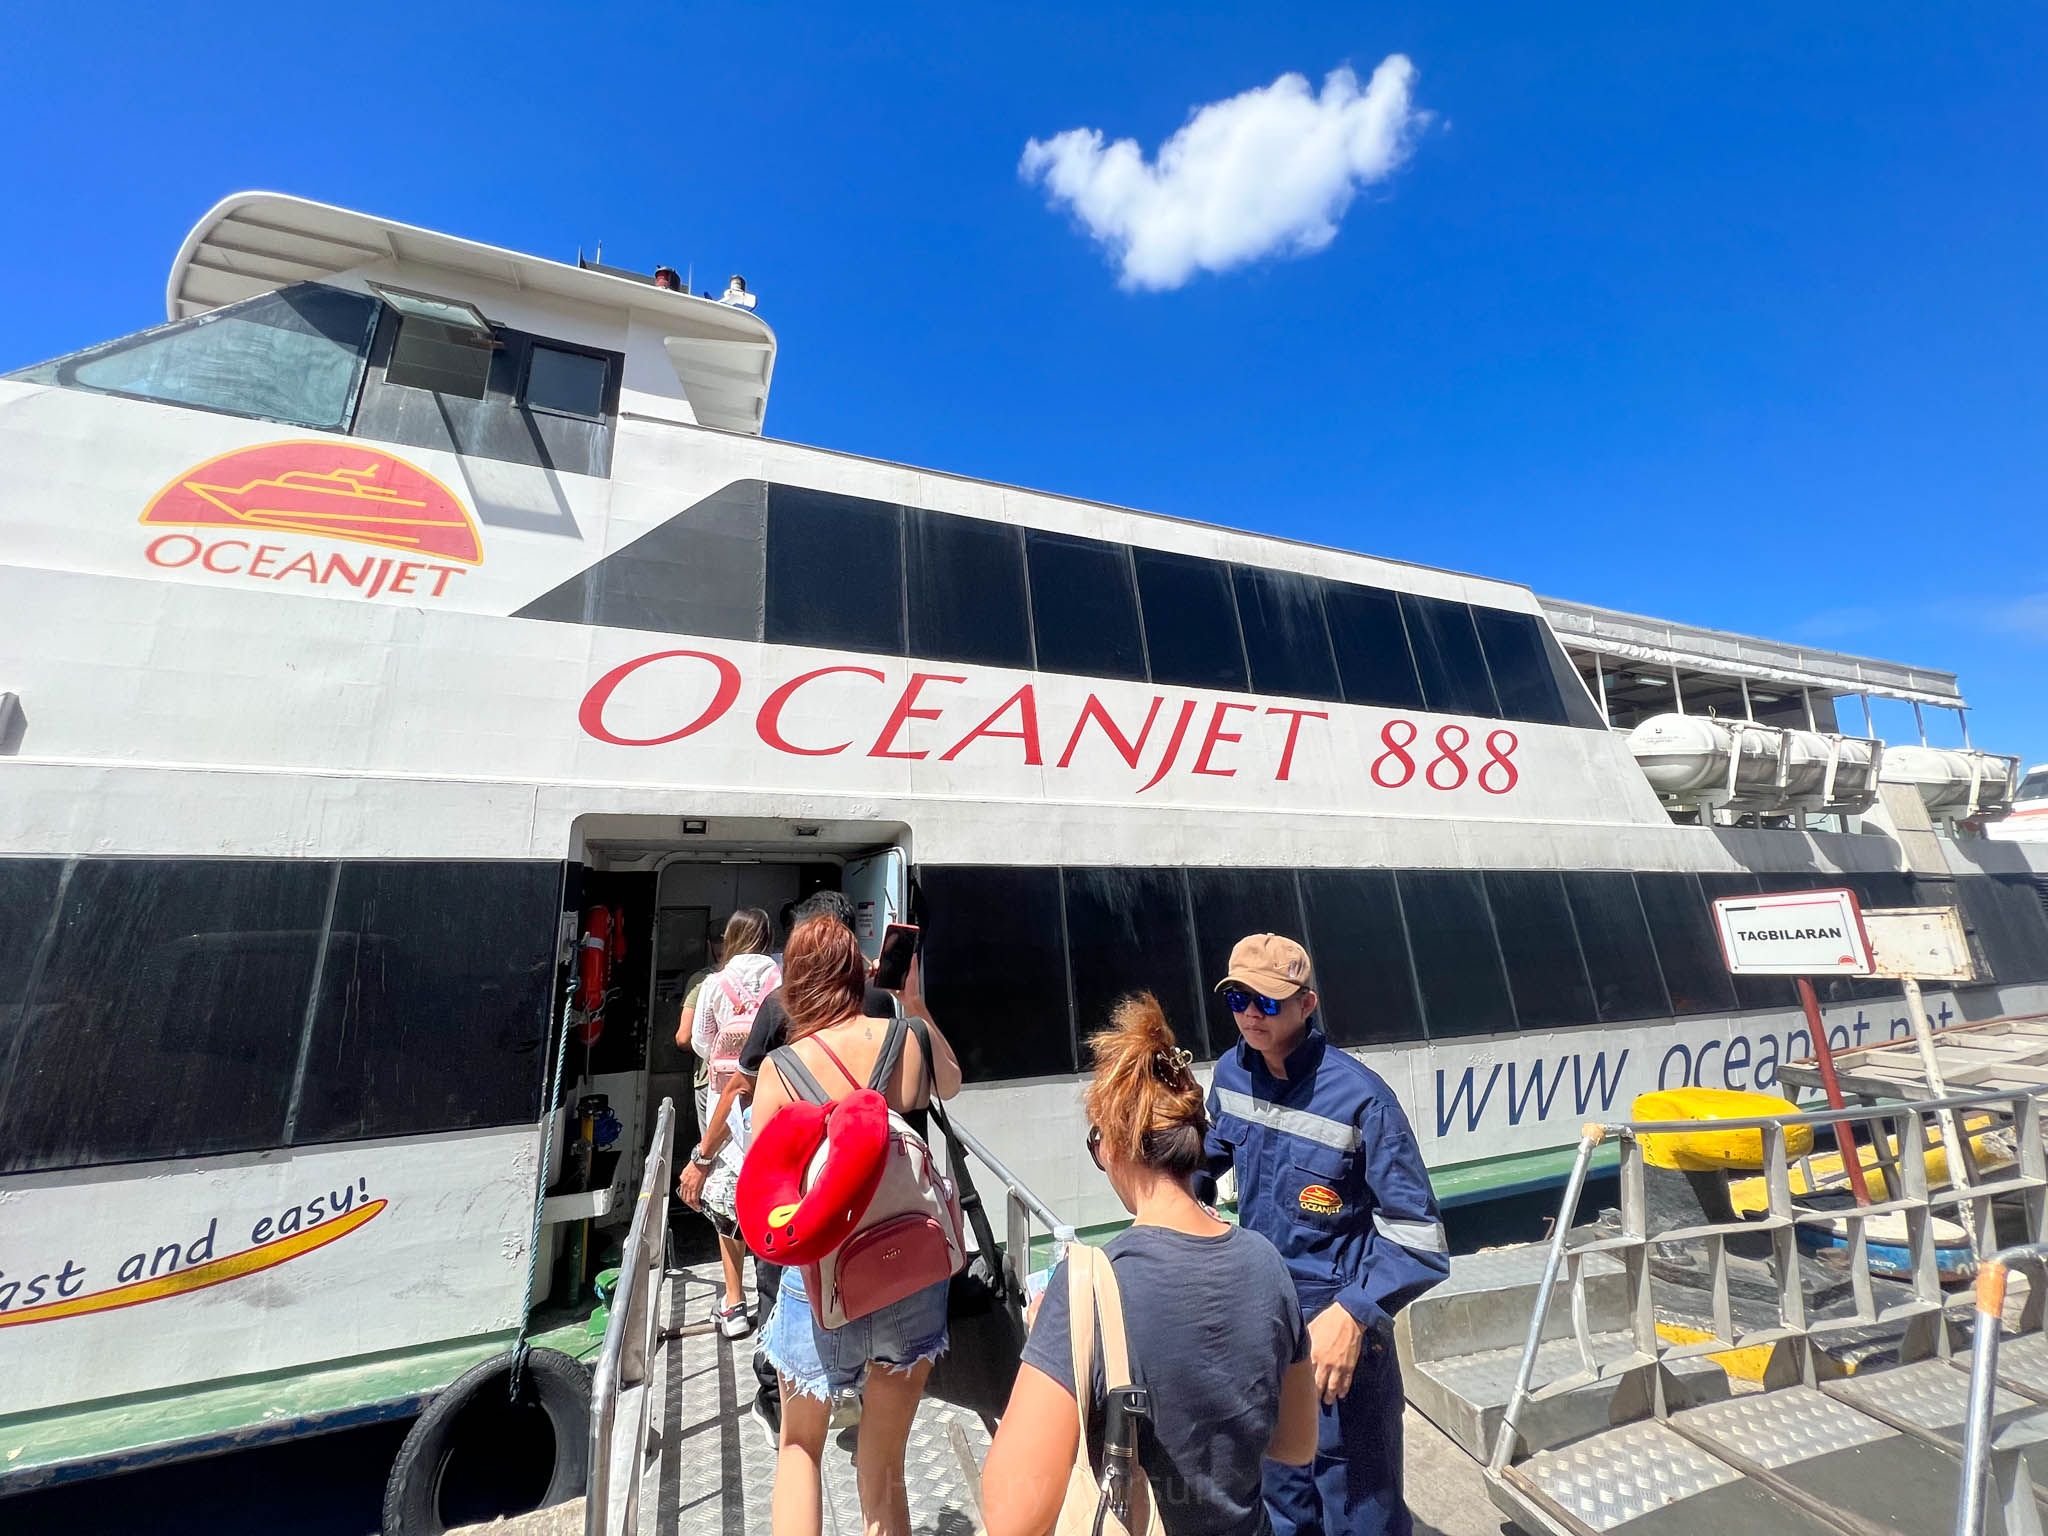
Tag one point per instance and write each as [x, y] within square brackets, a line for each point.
[406, 618]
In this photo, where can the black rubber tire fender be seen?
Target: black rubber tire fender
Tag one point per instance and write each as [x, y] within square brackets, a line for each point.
[558, 1383]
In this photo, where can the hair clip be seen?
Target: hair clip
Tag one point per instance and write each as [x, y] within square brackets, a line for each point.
[1174, 1062]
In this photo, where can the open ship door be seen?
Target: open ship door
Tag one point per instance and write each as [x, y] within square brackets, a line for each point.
[877, 882]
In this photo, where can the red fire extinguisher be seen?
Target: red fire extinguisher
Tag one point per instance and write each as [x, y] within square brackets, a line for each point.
[602, 945]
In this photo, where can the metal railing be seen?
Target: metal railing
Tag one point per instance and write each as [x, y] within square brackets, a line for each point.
[1897, 1137]
[1020, 1208]
[621, 1402]
[2016, 1495]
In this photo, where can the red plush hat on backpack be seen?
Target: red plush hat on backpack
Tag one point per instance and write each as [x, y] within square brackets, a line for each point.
[784, 1221]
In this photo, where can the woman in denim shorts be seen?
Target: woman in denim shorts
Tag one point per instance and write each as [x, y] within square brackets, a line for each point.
[886, 1355]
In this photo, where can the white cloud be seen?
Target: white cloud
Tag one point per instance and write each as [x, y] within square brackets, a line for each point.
[1268, 172]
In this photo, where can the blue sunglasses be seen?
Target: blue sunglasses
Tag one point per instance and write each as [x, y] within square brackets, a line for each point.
[1237, 999]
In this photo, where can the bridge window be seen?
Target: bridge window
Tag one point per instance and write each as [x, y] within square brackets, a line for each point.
[1373, 657]
[1360, 951]
[1127, 931]
[1688, 949]
[1084, 610]
[1519, 666]
[571, 382]
[1540, 947]
[294, 356]
[1228, 904]
[835, 571]
[2004, 914]
[1285, 639]
[995, 965]
[965, 577]
[1457, 961]
[1447, 656]
[1190, 621]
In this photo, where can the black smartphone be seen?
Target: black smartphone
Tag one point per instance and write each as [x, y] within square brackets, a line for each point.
[899, 943]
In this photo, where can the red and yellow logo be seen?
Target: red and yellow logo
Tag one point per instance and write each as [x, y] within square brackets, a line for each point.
[1320, 1200]
[325, 487]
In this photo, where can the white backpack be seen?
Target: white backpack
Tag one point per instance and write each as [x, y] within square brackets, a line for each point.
[911, 1234]
[742, 1004]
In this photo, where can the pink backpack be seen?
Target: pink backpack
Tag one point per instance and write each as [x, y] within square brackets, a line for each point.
[742, 1004]
[911, 1234]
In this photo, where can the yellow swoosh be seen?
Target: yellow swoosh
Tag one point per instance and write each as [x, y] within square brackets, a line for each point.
[248, 1262]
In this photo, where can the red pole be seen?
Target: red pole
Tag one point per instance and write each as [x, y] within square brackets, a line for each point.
[1852, 1158]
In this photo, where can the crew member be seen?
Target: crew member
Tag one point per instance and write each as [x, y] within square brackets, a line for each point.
[1328, 1170]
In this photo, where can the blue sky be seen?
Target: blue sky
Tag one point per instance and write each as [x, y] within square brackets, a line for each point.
[1732, 315]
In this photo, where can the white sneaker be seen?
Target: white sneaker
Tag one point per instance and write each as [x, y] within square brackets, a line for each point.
[845, 1410]
[733, 1321]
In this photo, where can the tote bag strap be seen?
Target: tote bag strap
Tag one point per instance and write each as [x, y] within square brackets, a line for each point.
[1109, 1309]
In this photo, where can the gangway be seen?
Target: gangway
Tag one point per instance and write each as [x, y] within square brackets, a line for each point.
[674, 1447]
[1816, 1451]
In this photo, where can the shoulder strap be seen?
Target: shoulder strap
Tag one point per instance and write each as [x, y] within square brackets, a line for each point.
[886, 1058]
[798, 1076]
[1109, 1303]
[851, 1081]
[1081, 1298]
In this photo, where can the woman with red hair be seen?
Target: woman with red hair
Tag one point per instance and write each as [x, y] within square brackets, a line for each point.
[886, 1355]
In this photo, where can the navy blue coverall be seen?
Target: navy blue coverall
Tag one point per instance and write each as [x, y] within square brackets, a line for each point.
[1329, 1172]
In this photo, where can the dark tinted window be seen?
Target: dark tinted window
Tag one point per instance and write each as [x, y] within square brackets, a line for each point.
[1229, 904]
[1688, 949]
[441, 359]
[1580, 707]
[560, 380]
[294, 355]
[434, 1001]
[1616, 942]
[834, 571]
[1284, 638]
[1540, 948]
[1190, 621]
[995, 969]
[1127, 931]
[2007, 919]
[1750, 991]
[1373, 658]
[1360, 955]
[1447, 656]
[1519, 666]
[28, 891]
[966, 583]
[168, 1016]
[1450, 935]
[1084, 612]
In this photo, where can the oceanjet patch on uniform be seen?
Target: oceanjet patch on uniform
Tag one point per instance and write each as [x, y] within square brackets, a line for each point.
[278, 493]
[1321, 1200]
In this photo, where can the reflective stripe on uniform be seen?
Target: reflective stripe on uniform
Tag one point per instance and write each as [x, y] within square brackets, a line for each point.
[1422, 1236]
[1340, 1134]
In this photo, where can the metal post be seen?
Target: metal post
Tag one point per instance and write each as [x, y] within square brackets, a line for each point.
[1677, 693]
[1983, 1388]
[1920, 721]
[1806, 698]
[1963, 720]
[1747, 712]
[1952, 1133]
[1869, 725]
[1600, 677]
[1590, 1136]
[1824, 1054]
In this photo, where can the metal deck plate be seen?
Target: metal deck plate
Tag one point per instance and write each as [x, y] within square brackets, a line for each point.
[715, 1471]
[2022, 1364]
[1777, 1429]
[1651, 1481]
[1930, 1396]
[1507, 1267]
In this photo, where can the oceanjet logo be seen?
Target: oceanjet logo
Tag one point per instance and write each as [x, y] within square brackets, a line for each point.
[320, 488]
[174, 1268]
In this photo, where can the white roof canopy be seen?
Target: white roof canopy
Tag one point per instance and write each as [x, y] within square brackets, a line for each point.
[1631, 637]
[253, 242]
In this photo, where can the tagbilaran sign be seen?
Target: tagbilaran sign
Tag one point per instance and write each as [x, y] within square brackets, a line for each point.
[1798, 933]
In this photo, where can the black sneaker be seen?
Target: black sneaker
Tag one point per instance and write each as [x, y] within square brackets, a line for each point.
[767, 1412]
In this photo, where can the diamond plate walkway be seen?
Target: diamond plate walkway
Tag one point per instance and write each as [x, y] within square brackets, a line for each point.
[714, 1466]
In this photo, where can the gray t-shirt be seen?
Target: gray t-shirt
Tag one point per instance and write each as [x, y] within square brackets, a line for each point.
[1212, 1353]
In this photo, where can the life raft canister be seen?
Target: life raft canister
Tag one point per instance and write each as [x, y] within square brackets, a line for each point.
[603, 944]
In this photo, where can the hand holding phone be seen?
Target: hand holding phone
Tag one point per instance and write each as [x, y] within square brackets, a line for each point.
[899, 947]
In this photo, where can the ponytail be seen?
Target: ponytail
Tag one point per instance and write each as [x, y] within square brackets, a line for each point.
[1145, 1099]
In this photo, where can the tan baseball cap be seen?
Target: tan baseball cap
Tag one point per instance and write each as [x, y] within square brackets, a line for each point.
[1268, 963]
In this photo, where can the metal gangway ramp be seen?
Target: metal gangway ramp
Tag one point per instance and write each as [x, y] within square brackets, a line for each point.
[1816, 1451]
[675, 1448]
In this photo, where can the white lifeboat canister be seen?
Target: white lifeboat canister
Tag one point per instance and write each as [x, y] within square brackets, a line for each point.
[1950, 778]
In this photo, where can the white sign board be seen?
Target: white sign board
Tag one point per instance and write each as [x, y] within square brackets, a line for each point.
[1797, 933]
[1925, 943]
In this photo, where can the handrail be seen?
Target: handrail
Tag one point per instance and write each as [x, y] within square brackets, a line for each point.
[1015, 1187]
[1819, 1116]
[1590, 1137]
[1991, 1278]
[628, 1350]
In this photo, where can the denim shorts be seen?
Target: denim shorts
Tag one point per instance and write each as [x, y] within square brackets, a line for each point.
[820, 1362]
